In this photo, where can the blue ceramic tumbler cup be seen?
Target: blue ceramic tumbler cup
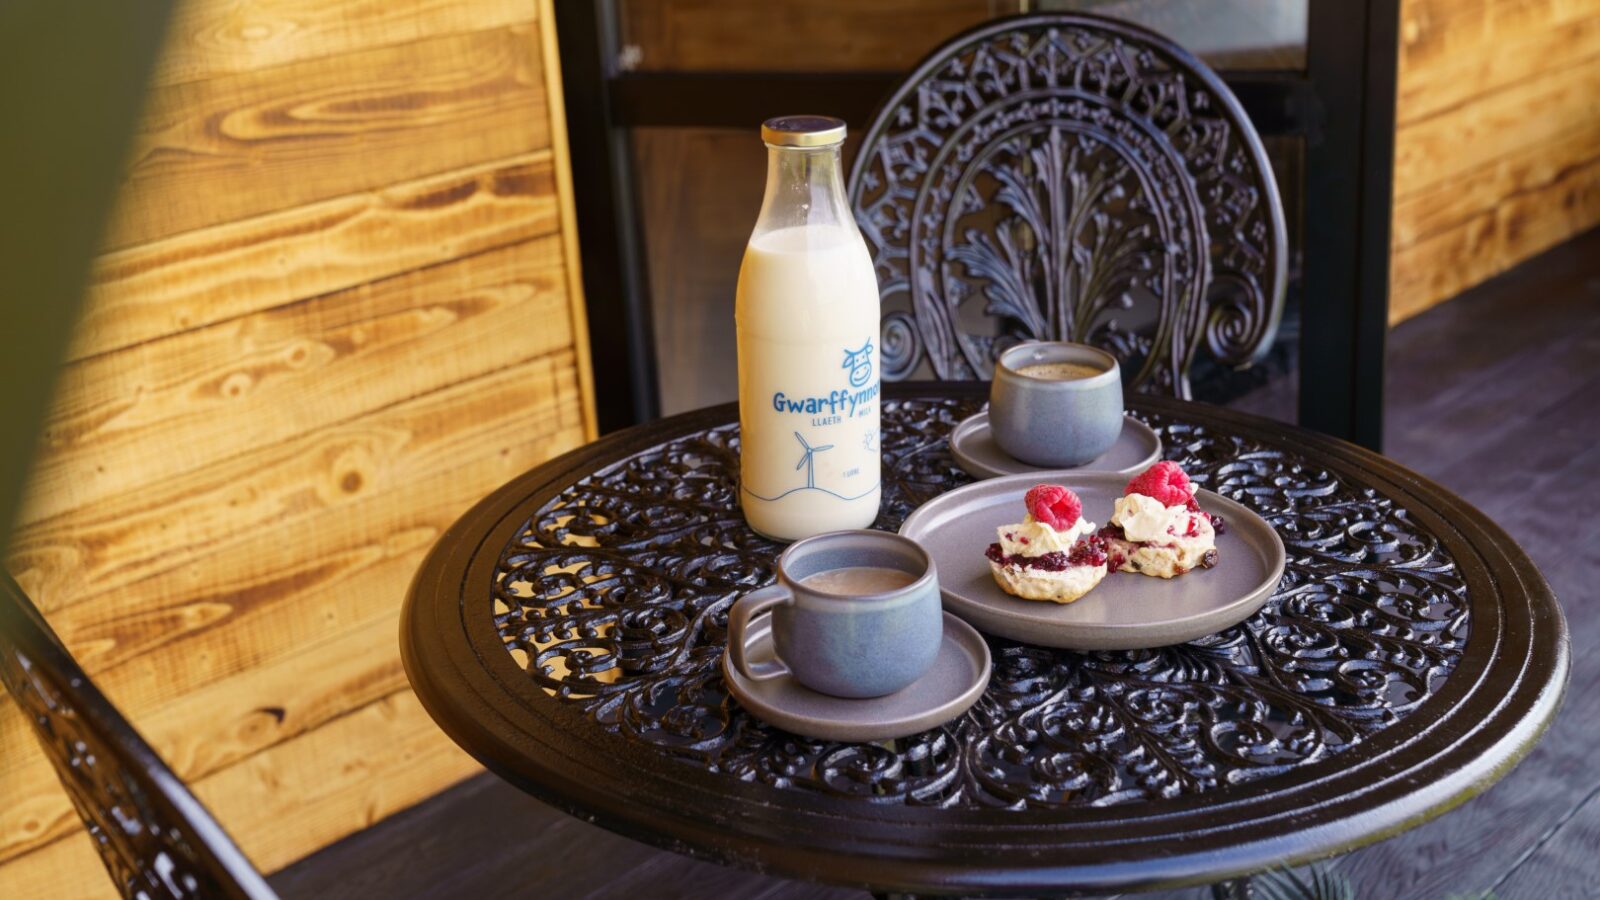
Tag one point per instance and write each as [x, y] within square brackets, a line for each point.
[1055, 423]
[846, 645]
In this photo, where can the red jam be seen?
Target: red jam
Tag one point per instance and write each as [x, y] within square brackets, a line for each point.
[1088, 552]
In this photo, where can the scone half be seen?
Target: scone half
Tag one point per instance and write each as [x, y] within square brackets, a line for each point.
[1059, 586]
[1161, 560]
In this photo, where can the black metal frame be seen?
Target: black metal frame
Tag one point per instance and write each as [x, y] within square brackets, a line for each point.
[1352, 52]
[155, 838]
[1342, 105]
[616, 285]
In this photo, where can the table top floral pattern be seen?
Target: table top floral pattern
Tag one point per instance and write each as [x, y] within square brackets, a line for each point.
[614, 597]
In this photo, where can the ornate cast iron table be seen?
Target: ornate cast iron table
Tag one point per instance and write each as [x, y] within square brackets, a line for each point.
[566, 632]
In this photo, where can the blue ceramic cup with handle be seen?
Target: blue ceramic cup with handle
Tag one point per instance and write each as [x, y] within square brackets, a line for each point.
[854, 614]
[1056, 404]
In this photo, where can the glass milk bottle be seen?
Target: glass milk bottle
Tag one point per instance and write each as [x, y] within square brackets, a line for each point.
[807, 315]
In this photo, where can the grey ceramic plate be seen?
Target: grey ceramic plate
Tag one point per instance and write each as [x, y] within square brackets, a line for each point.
[973, 446]
[952, 684]
[1126, 611]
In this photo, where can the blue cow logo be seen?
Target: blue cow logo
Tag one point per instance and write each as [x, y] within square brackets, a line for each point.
[859, 362]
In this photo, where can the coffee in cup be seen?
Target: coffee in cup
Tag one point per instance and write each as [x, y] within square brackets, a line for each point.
[854, 614]
[1060, 371]
[853, 580]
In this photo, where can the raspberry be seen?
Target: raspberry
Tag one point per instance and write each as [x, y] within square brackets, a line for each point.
[1054, 505]
[1165, 482]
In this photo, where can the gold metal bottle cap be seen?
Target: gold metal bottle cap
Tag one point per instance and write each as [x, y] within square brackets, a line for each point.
[803, 131]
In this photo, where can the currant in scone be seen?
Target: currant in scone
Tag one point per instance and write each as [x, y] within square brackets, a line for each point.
[1158, 529]
[1053, 553]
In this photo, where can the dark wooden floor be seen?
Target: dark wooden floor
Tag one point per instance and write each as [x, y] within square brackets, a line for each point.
[1494, 395]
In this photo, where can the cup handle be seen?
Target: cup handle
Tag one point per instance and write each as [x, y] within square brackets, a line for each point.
[744, 609]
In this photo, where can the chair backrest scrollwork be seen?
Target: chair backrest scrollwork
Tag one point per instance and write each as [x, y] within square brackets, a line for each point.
[1069, 177]
[156, 839]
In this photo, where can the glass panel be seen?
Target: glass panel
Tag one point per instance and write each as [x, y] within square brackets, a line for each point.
[699, 189]
[792, 35]
[892, 35]
[1227, 34]
[1270, 387]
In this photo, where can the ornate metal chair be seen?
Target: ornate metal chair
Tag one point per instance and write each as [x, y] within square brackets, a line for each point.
[1069, 177]
[156, 839]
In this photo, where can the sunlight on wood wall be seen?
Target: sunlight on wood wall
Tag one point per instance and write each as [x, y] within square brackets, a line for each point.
[338, 306]
[1497, 147]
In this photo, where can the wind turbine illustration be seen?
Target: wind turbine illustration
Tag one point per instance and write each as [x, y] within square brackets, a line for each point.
[808, 459]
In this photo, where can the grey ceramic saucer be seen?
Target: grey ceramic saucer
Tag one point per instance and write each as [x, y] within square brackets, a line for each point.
[1126, 611]
[953, 683]
[972, 443]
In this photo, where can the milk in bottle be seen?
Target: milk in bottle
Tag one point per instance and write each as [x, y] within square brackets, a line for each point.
[807, 316]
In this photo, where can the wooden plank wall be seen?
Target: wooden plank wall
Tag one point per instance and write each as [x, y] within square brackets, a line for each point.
[338, 305]
[1497, 147]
